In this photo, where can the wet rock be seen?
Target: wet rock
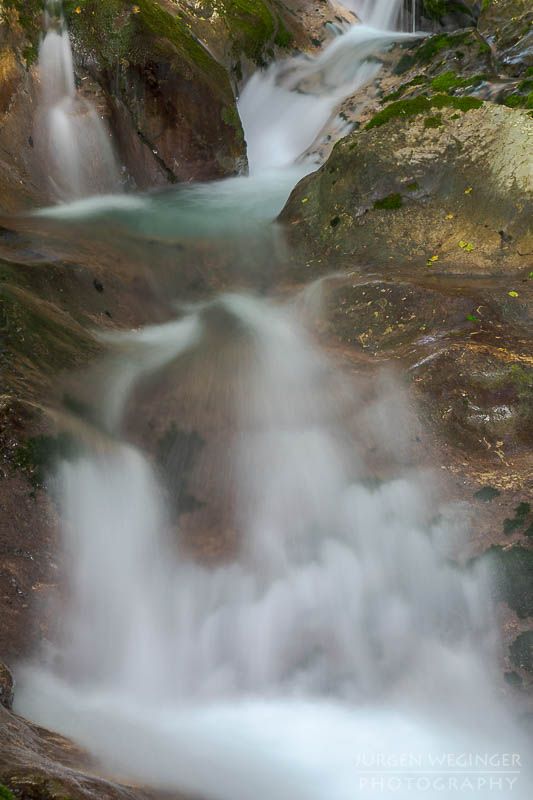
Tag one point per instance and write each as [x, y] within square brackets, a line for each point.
[508, 26]
[7, 685]
[40, 765]
[458, 174]
[178, 98]
[19, 35]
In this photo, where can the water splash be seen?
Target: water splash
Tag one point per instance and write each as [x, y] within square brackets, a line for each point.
[340, 629]
[72, 142]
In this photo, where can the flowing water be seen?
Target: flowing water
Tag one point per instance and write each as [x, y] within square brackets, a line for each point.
[336, 650]
[72, 142]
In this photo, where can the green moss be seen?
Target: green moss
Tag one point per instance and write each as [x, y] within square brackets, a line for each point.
[449, 82]
[230, 116]
[252, 27]
[433, 122]
[420, 105]
[6, 794]
[283, 37]
[513, 100]
[521, 651]
[39, 455]
[434, 9]
[420, 79]
[115, 31]
[522, 510]
[445, 82]
[511, 525]
[413, 187]
[442, 41]
[512, 573]
[389, 203]
[487, 494]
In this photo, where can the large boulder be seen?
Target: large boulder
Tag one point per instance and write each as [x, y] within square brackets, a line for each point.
[172, 106]
[443, 184]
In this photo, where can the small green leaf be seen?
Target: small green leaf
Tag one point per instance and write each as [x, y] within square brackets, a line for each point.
[513, 294]
[462, 244]
[472, 318]
[469, 248]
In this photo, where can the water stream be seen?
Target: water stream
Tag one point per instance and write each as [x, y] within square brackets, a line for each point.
[336, 651]
[73, 144]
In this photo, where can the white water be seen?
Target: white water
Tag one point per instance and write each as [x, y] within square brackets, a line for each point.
[285, 108]
[72, 141]
[340, 635]
[341, 632]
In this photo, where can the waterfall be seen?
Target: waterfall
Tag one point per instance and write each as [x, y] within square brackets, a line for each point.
[310, 89]
[72, 142]
[331, 648]
[340, 633]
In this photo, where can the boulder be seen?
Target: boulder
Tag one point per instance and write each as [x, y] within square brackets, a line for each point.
[442, 184]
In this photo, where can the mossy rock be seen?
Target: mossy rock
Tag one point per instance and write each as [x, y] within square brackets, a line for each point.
[179, 97]
[472, 212]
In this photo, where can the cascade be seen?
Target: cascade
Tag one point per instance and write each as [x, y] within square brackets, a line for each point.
[338, 637]
[73, 143]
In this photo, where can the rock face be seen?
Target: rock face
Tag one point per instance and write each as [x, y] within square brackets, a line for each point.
[18, 47]
[508, 25]
[171, 103]
[437, 182]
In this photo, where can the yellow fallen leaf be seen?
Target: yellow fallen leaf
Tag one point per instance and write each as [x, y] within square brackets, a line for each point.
[434, 258]
[305, 200]
[462, 244]
[78, 10]
[448, 216]
[513, 294]
[467, 191]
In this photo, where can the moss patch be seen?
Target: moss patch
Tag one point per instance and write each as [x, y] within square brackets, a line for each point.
[433, 122]
[521, 651]
[512, 572]
[487, 494]
[389, 203]
[422, 105]
[39, 456]
[6, 794]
